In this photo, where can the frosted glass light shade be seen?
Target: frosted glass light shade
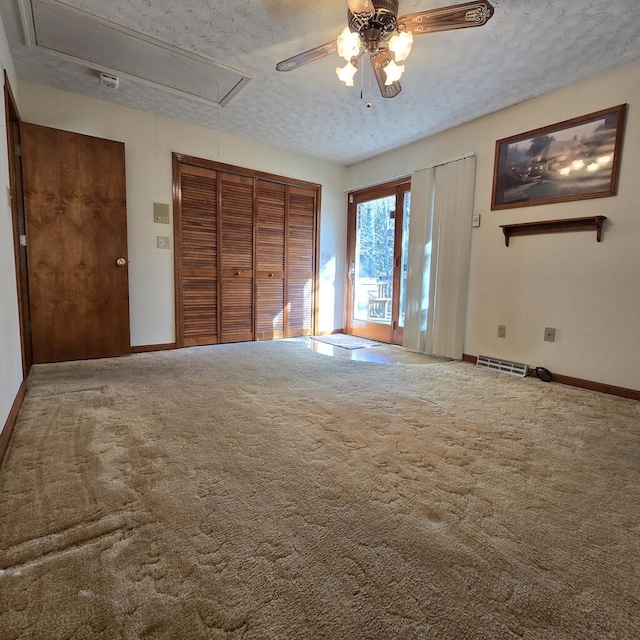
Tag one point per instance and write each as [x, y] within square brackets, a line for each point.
[400, 45]
[394, 72]
[346, 73]
[348, 44]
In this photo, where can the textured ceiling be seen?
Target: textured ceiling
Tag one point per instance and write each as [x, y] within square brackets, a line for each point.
[528, 48]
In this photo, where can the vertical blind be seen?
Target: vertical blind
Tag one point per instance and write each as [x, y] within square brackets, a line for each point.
[439, 257]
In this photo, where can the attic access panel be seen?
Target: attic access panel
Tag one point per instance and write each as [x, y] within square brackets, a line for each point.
[106, 46]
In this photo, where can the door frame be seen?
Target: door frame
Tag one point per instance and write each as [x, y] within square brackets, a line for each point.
[390, 333]
[12, 120]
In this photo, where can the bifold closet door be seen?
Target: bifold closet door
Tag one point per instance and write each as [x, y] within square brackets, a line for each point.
[300, 270]
[270, 260]
[245, 254]
[196, 251]
[236, 257]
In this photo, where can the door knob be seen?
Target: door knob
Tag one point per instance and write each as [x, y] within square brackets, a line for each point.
[121, 262]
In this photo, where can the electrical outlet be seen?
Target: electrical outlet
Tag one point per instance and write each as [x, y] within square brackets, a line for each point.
[502, 331]
[549, 334]
[163, 242]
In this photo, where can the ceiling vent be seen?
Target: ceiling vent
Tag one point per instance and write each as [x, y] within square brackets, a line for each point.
[110, 48]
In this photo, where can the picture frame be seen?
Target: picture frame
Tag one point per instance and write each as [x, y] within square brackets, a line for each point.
[575, 159]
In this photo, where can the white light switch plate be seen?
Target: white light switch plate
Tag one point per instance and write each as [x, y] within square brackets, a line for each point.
[163, 242]
[475, 220]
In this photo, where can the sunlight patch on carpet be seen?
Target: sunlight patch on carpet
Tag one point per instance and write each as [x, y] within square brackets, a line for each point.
[345, 341]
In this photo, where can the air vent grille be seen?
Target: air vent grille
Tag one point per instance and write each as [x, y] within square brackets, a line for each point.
[504, 366]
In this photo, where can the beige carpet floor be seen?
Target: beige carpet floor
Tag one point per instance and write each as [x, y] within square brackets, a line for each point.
[267, 492]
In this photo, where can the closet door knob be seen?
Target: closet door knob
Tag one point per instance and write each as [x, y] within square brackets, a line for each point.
[238, 273]
[271, 275]
[121, 262]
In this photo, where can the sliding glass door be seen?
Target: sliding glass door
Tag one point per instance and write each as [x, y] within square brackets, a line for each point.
[377, 261]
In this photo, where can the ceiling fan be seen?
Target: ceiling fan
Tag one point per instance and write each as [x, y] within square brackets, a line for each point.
[375, 28]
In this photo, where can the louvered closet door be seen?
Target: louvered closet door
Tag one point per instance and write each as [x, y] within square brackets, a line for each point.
[270, 248]
[197, 257]
[300, 261]
[236, 257]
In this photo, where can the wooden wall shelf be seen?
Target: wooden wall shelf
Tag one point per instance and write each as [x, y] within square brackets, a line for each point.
[590, 223]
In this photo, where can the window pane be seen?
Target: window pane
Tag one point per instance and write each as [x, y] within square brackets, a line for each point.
[373, 281]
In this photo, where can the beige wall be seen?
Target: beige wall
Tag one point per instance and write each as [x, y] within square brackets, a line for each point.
[10, 356]
[149, 141]
[589, 292]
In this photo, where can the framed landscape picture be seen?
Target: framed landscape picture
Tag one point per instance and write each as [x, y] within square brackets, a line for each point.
[572, 160]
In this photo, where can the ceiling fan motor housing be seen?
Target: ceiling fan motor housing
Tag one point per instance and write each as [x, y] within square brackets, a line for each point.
[376, 28]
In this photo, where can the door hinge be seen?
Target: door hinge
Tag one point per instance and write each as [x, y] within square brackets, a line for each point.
[17, 149]
[23, 241]
[351, 199]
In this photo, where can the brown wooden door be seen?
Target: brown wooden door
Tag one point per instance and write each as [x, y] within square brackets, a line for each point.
[75, 202]
[236, 202]
[270, 257]
[196, 256]
[377, 243]
[300, 268]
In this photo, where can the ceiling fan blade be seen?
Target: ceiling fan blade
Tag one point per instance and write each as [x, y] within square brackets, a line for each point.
[379, 61]
[459, 16]
[308, 56]
[360, 6]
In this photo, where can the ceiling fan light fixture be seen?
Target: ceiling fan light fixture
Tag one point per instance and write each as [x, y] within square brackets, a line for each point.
[347, 73]
[393, 72]
[400, 45]
[348, 44]
[374, 27]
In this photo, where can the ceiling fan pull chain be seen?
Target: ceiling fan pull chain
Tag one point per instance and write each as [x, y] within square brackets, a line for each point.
[369, 74]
